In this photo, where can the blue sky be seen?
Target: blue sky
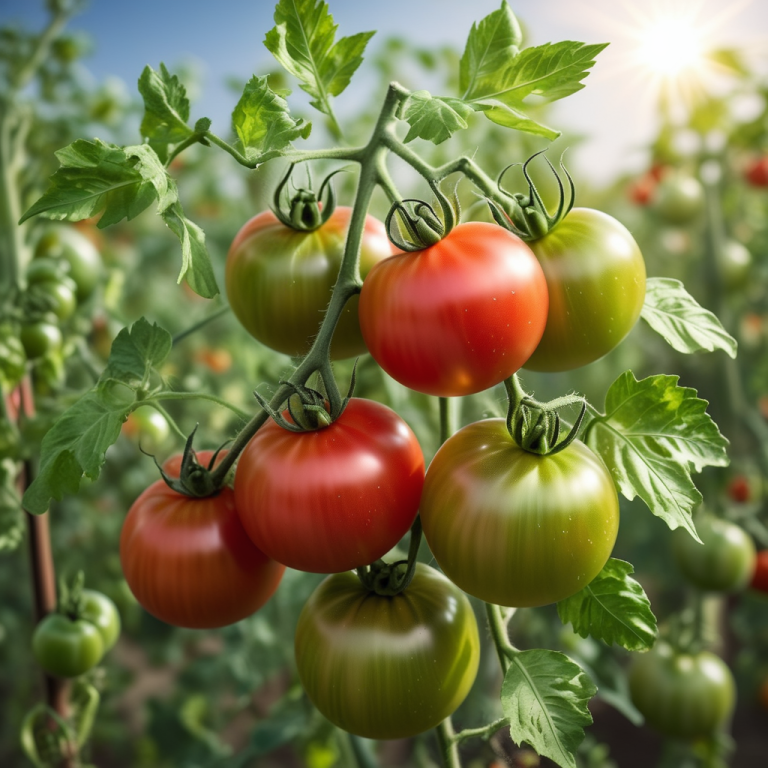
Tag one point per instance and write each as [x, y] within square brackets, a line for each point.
[615, 111]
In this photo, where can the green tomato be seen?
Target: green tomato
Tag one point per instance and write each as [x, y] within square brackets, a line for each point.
[682, 695]
[515, 528]
[57, 296]
[40, 338]
[279, 281]
[13, 358]
[387, 667]
[148, 428]
[596, 280]
[725, 560]
[100, 611]
[78, 251]
[66, 648]
[735, 263]
[679, 198]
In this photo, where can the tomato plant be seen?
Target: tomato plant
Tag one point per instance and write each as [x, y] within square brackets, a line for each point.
[515, 528]
[596, 280]
[682, 695]
[724, 561]
[334, 498]
[679, 198]
[759, 578]
[189, 562]
[387, 667]
[100, 611]
[459, 316]
[64, 647]
[73, 247]
[40, 338]
[279, 280]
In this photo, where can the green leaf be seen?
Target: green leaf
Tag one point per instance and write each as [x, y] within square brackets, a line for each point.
[196, 263]
[96, 176]
[545, 697]
[508, 117]
[303, 42]
[613, 608]
[166, 107]
[262, 122]
[492, 44]
[78, 441]
[11, 517]
[434, 118]
[684, 324]
[653, 435]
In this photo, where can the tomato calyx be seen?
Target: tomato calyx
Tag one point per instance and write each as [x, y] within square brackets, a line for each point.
[390, 579]
[305, 210]
[194, 480]
[527, 216]
[535, 426]
[418, 225]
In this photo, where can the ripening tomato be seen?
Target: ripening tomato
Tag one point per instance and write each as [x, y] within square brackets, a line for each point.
[387, 667]
[724, 561]
[40, 338]
[596, 279]
[682, 695]
[457, 317]
[515, 528]
[334, 498]
[189, 561]
[641, 190]
[759, 578]
[279, 281]
[756, 172]
[148, 428]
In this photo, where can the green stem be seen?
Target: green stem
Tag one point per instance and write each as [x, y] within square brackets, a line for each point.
[201, 324]
[500, 635]
[447, 427]
[170, 395]
[167, 416]
[446, 738]
[485, 732]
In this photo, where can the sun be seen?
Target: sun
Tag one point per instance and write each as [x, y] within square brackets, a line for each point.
[672, 46]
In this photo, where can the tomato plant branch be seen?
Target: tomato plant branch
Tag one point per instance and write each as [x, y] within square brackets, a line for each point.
[446, 738]
[170, 395]
[201, 324]
[500, 635]
[484, 732]
[167, 416]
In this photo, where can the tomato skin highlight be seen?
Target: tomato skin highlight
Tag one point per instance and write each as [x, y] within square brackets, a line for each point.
[387, 667]
[514, 528]
[189, 562]
[457, 317]
[279, 280]
[596, 279]
[682, 695]
[100, 611]
[66, 648]
[335, 498]
[724, 562]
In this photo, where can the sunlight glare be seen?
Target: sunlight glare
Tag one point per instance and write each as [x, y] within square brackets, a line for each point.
[672, 45]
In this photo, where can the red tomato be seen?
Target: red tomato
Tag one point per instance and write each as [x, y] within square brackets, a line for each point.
[457, 317]
[641, 190]
[756, 173]
[760, 575]
[738, 489]
[335, 498]
[189, 562]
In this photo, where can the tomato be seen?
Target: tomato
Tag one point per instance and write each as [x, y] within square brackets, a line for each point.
[457, 317]
[739, 489]
[641, 190]
[78, 251]
[679, 198]
[387, 667]
[66, 648]
[759, 579]
[189, 562]
[756, 172]
[516, 528]
[279, 281]
[57, 295]
[596, 280]
[335, 498]
[100, 611]
[682, 695]
[40, 338]
[148, 428]
[217, 360]
[735, 264]
[724, 561]
[13, 358]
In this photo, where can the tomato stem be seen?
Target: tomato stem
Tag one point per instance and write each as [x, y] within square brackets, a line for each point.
[500, 634]
[484, 732]
[201, 324]
[446, 738]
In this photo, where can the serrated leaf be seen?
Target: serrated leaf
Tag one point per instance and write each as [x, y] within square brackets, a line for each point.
[11, 516]
[434, 118]
[491, 45]
[545, 697]
[166, 107]
[683, 323]
[303, 42]
[96, 176]
[262, 121]
[78, 441]
[613, 608]
[196, 265]
[653, 435]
